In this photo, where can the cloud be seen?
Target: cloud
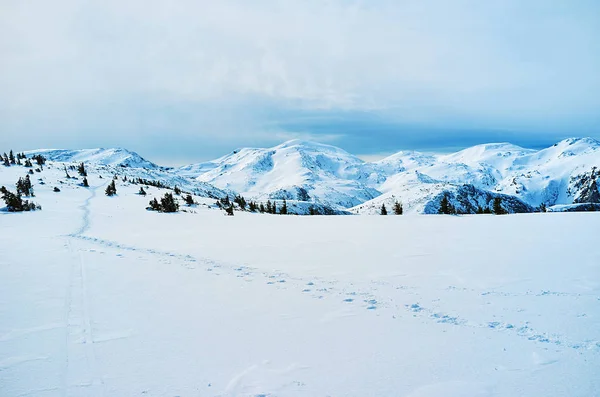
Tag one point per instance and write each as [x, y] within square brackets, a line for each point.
[218, 72]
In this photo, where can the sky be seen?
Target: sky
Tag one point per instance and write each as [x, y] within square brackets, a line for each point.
[181, 81]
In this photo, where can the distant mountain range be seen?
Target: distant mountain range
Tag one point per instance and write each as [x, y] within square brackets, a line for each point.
[309, 173]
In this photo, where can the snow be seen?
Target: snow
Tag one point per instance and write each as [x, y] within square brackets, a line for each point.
[325, 176]
[101, 297]
[114, 157]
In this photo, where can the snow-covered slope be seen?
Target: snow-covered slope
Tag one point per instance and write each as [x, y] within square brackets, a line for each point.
[312, 172]
[564, 173]
[100, 297]
[125, 165]
[114, 157]
[308, 173]
[295, 170]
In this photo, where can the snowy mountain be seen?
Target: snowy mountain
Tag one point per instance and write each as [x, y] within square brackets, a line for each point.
[328, 179]
[114, 157]
[128, 164]
[564, 173]
[295, 170]
[312, 172]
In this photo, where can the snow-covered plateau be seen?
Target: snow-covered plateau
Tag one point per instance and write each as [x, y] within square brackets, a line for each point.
[101, 297]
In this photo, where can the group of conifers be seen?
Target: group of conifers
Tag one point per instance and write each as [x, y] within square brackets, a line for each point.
[168, 203]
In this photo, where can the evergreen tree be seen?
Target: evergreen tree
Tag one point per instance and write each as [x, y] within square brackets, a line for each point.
[24, 187]
[177, 191]
[154, 204]
[398, 210]
[41, 160]
[274, 208]
[81, 170]
[283, 210]
[11, 157]
[498, 210]
[111, 189]
[269, 208]
[168, 203]
[85, 182]
[229, 210]
[28, 163]
[543, 207]
[142, 192]
[252, 206]
[445, 206]
[383, 210]
[6, 161]
[189, 200]
[14, 202]
[262, 208]
[311, 210]
[241, 201]
[19, 160]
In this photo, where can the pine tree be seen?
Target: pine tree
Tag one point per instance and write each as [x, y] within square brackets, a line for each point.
[177, 191]
[241, 201]
[142, 192]
[14, 202]
[189, 200]
[229, 210]
[28, 163]
[274, 209]
[154, 204]
[24, 187]
[269, 208]
[311, 210]
[445, 206]
[543, 207]
[498, 210]
[168, 203]
[41, 160]
[85, 182]
[111, 189]
[81, 170]
[6, 161]
[398, 210]
[252, 206]
[262, 208]
[383, 210]
[283, 210]
[11, 157]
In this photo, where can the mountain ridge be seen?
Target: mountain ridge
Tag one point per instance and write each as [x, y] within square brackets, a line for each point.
[311, 172]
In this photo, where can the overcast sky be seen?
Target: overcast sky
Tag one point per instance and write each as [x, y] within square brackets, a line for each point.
[181, 81]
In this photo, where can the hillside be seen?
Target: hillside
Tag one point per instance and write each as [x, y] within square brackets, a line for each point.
[101, 297]
[294, 170]
[309, 174]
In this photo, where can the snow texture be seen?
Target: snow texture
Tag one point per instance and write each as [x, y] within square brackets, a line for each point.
[101, 297]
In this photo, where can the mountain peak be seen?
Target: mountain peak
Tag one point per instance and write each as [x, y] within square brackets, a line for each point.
[103, 156]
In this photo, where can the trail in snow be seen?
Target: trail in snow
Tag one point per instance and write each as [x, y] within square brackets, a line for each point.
[80, 369]
[406, 306]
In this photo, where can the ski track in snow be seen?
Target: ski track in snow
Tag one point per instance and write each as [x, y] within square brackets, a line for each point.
[406, 306]
[80, 367]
